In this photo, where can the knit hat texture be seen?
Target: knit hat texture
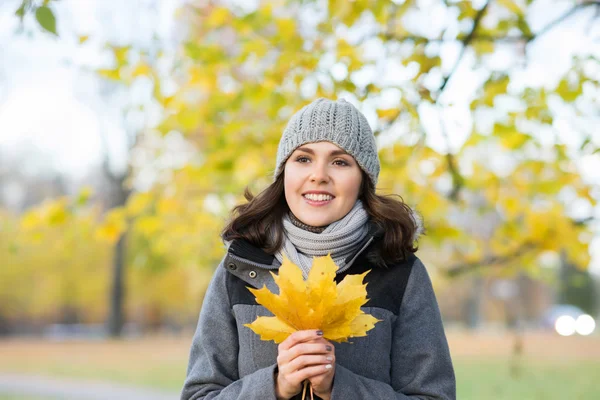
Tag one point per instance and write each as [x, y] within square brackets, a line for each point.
[338, 122]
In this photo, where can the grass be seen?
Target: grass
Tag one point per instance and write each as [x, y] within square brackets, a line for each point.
[491, 379]
[551, 368]
[158, 363]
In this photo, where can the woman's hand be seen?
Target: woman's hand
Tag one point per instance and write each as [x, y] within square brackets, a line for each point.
[305, 355]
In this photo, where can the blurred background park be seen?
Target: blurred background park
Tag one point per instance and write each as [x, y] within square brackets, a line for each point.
[128, 130]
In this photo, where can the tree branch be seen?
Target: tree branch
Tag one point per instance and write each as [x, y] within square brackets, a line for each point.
[105, 154]
[461, 269]
[585, 221]
[488, 38]
[596, 16]
[466, 42]
[563, 17]
[457, 179]
[476, 38]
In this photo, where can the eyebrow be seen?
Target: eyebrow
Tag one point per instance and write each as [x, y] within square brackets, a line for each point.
[333, 153]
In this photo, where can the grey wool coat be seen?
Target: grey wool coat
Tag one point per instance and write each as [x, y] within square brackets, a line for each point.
[405, 356]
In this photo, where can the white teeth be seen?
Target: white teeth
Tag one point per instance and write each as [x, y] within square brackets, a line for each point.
[318, 197]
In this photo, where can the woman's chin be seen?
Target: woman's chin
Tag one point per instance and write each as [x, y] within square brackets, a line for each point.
[314, 221]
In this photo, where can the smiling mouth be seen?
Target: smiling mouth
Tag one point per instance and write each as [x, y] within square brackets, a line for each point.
[318, 197]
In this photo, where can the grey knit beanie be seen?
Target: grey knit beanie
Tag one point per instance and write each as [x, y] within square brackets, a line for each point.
[338, 122]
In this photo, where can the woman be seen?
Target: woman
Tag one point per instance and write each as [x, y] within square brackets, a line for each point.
[323, 201]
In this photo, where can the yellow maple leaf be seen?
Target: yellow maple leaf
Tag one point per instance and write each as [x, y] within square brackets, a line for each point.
[314, 303]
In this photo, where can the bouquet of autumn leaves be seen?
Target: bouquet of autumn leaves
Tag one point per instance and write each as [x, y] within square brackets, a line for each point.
[314, 303]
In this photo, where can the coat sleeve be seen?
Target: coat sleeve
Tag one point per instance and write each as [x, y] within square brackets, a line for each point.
[421, 364]
[212, 371]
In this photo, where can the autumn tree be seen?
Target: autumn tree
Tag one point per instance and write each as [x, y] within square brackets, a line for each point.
[241, 74]
[487, 155]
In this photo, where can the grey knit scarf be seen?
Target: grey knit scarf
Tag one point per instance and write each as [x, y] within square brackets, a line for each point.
[340, 238]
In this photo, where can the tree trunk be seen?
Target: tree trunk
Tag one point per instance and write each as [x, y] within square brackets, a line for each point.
[473, 311]
[116, 317]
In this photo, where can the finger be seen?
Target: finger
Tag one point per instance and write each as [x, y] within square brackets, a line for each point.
[317, 380]
[309, 360]
[322, 341]
[309, 348]
[287, 356]
[309, 372]
[300, 337]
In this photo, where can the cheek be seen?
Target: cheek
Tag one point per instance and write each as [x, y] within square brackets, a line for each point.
[352, 186]
[290, 182]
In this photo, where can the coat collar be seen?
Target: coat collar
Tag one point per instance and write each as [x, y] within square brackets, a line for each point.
[246, 251]
[253, 265]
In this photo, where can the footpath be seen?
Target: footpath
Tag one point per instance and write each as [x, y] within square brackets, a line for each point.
[50, 388]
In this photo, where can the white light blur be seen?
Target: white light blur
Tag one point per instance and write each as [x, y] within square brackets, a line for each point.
[585, 325]
[565, 325]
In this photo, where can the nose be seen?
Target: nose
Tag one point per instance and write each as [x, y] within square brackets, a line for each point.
[319, 173]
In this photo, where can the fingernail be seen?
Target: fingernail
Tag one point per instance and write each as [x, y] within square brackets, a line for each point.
[328, 366]
[329, 348]
[329, 358]
[320, 332]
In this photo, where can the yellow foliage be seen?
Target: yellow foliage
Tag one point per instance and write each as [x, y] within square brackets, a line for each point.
[238, 78]
[50, 214]
[217, 17]
[113, 226]
[148, 225]
[57, 214]
[84, 195]
[388, 114]
[113, 74]
[203, 79]
[138, 202]
[484, 46]
[510, 137]
[317, 303]
[257, 47]
[142, 69]
[31, 220]
[168, 206]
[110, 231]
[511, 205]
[286, 28]
[578, 253]
[512, 6]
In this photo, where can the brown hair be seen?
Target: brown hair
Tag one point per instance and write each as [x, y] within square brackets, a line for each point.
[260, 220]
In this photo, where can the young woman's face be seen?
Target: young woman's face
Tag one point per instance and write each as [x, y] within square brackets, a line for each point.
[321, 183]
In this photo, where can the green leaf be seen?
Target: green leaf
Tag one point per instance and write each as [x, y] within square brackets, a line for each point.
[466, 10]
[484, 47]
[46, 18]
[524, 26]
[113, 74]
[13, 248]
[512, 6]
[21, 10]
[569, 91]
[84, 196]
[494, 87]
[510, 137]
[585, 143]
